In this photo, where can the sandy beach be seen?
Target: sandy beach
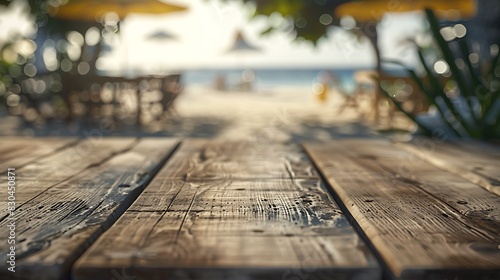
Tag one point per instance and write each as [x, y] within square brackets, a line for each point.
[280, 114]
[277, 114]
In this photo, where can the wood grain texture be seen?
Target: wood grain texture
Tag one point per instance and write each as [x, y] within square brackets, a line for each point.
[43, 173]
[423, 221]
[57, 225]
[472, 160]
[239, 160]
[224, 228]
[16, 152]
[72, 160]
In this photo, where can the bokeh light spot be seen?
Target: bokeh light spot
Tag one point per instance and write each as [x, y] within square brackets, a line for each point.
[474, 58]
[74, 52]
[83, 68]
[75, 38]
[66, 65]
[13, 100]
[30, 70]
[459, 30]
[325, 19]
[441, 67]
[318, 88]
[460, 63]
[93, 36]
[348, 22]
[301, 22]
[494, 50]
[447, 33]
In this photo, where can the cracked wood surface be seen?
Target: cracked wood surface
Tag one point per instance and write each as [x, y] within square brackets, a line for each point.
[422, 221]
[57, 220]
[231, 210]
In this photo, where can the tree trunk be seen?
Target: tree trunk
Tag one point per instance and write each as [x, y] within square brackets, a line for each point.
[370, 31]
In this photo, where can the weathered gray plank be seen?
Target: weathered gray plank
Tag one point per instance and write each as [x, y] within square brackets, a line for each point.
[16, 152]
[220, 228]
[240, 160]
[40, 174]
[71, 160]
[474, 161]
[25, 190]
[56, 226]
[423, 221]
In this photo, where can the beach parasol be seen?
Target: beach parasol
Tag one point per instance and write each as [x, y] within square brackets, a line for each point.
[161, 36]
[241, 44]
[372, 11]
[369, 11]
[85, 12]
[91, 10]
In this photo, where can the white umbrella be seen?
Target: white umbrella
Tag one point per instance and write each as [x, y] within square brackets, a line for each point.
[240, 45]
[161, 35]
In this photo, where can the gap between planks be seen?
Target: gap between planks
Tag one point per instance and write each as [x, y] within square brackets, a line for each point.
[422, 221]
[58, 223]
[206, 215]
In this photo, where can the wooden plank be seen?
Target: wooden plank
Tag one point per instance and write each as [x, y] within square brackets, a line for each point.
[18, 151]
[219, 228]
[71, 160]
[39, 175]
[25, 190]
[474, 161]
[55, 227]
[239, 160]
[424, 222]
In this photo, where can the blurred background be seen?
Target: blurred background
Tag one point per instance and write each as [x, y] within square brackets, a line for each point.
[239, 69]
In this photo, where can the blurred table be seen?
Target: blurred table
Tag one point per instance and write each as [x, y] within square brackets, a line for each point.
[137, 101]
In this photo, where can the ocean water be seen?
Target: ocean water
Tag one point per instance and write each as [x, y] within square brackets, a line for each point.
[272, 78]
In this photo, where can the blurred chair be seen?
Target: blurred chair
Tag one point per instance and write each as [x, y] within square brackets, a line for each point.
[136, 101]
[355, 99]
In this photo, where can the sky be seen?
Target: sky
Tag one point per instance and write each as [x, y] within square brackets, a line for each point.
[205, 32]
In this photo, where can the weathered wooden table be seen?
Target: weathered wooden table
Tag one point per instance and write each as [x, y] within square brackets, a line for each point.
[157, 208]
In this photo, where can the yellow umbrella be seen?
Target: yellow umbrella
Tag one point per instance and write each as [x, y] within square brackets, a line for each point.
[367, 11]
[373, 10]
[94, 10]
[90, 10]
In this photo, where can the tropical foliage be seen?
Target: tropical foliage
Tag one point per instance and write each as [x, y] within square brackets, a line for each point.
[309, 19]
[465, 92]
